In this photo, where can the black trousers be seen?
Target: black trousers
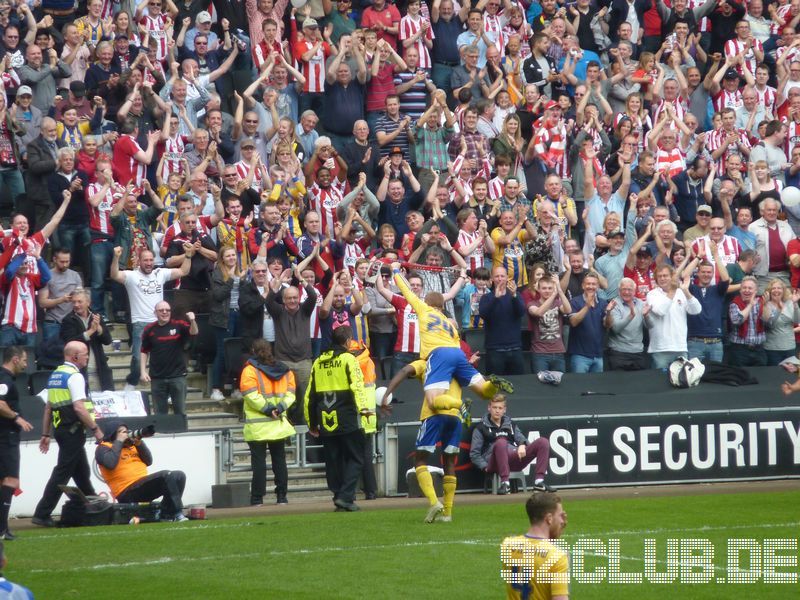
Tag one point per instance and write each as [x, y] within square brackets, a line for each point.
[344, 459]
[169, 484]
[368, 470]
[258, 463]
[71, 464]
[626, 361]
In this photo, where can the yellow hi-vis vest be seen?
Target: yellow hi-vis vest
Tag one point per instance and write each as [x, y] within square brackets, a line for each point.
[259, 391]
[60, 399]
[368, 422]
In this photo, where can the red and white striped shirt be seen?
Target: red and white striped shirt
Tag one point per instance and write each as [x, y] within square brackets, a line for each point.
[262, 51]
[493, 26]
[726, 99]
[100, 215]
[767, 97]
[156, 28]
[314, 330]
[792, 136]
[203, 228]
[125, 167]
[716, 141]
[243, 169]
[476, 258]
[728, 250]
[409, 26]
[497, 188]
[352, 252]
[784, 12]
[325, 201]
[705, 25]
[173, 153]
[313, 69]
[794, 53]
[407, 326]
[550, 144]
[678, 105]
[671, 162]
[20, 310]
[736, 46]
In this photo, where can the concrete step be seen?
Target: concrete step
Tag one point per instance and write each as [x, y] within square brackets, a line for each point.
[212, 421]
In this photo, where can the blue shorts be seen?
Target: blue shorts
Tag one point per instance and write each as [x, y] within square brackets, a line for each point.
[440, 428]
[445, 364]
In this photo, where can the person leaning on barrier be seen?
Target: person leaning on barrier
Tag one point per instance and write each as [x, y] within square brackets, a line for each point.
[268, 390]
[68, 413]
[123, 460]
[334, 402]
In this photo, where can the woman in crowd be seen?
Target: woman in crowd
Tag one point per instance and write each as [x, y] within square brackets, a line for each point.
[224, 313]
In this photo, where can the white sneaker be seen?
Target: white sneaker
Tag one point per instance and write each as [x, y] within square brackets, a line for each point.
[129, 388]
[236, 395]
[217, 395]
[444, 518]
[434, 511]
[180, 518]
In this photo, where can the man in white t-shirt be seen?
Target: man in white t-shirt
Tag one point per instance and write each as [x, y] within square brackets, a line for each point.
[145, 287]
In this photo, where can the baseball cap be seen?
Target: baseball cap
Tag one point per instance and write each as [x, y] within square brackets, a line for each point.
[396, 150]
[247, 142]
[731, 74]
[203, 17]
[310, 22]
[616, 233]
[645, 250]
[704, 208]
[78, 88]
[550, 105]
[24, 90]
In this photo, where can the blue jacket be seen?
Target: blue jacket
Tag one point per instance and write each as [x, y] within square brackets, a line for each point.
[501, 318]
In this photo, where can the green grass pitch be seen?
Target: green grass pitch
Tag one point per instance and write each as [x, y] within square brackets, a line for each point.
[384, 554]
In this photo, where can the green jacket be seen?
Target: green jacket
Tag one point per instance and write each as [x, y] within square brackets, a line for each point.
[123, 232]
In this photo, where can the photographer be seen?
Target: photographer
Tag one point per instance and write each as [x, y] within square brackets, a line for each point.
[123, 458]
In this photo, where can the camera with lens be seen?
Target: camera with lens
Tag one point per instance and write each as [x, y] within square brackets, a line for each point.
[138, 434]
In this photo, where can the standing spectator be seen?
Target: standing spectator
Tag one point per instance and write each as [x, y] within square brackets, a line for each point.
[311, 53]
[68, 414]
[84, 326]
[71, 233]
[626, 330]
[772, 238]
[164, 340]
[671, 302]
[56, 296]
[19, 284]
[42, 77]
[336, 312]
[292, 321]
[42, 162]
[747, 332]
[11, 131]
[145, 288]
[447, 26]
[130, 161]
[782, 316]
[498, 446]
[192, 290]
[133, 225]
[546, 310]
[361, 156]
[705, 328]
[585, 345]
[406, 348]
[268, 390]
[501, 311]
[334, 403]
[384, 18]
[15, 362]
[255, 321]
[344, 97]
[224, 317]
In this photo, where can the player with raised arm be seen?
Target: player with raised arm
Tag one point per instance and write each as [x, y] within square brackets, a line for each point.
[440, 346]
[533, 566]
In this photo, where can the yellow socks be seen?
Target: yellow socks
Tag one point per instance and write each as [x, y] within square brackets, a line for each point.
[445, 402]
[449, 486]
[425, 482]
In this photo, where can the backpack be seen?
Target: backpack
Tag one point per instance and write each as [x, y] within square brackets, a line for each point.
[684, 373]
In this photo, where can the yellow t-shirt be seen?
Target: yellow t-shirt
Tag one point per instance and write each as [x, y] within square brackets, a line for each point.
[512, 257]
[435, 329]
[453, 391]
[528, 559]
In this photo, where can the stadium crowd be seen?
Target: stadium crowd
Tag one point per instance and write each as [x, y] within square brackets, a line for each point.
[596, 183]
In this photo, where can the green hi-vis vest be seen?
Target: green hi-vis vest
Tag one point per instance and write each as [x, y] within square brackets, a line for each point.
[60, 399]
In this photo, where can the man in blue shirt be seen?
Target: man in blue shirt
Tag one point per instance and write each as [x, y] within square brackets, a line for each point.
[705, 329]
[589, 313]
[501, 311]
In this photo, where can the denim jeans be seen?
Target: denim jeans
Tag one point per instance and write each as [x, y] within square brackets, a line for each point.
[774, 357]
[662, 360]
[401, 359]
[76, 239]
[549, 362]
[585, 364]
[705, 351]
[219, 357]
[102, 253]
[171, 387]
[50, 330]
[11, 336]
[136, 348]
[12, 179]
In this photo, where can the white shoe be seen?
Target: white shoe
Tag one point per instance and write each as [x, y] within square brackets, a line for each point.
[180, 518]
[434, 511]
[444, 518]
[217, 395]
[236, 395]
[129, 387]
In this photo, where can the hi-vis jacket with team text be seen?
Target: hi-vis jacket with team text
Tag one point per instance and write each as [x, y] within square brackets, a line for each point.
[265, 388]
[335, 395]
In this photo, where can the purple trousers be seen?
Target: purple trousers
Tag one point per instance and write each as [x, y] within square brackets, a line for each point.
[504, 458]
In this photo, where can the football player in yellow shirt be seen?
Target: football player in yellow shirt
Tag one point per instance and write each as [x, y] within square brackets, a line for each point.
[534, 568]
[443, 425]
[440, 345]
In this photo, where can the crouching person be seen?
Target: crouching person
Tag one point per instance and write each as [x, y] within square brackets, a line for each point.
[123, 459]
[498, 446]
[268, 390]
